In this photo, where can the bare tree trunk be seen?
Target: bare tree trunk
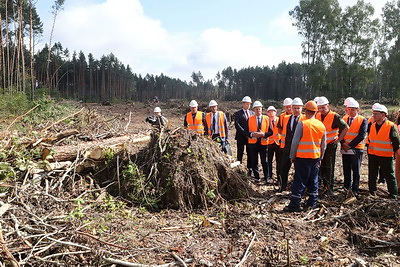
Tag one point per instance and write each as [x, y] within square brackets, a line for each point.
[2, 59]
[21, 38]
[31, 49]
[56, 8]
[14, 61]
[7, 49]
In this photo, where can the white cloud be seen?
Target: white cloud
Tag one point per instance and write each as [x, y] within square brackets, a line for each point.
[121, 27]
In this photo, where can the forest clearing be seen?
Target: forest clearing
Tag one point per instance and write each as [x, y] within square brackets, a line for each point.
[100, 187]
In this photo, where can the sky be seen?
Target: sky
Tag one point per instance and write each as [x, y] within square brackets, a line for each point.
[178, 37]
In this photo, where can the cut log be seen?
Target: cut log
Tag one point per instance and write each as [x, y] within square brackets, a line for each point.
[94, 150]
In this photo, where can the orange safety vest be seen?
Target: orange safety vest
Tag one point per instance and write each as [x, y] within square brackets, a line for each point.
[196, 124]
[331, 134]
[379, 143]
[275, 137]
[221, 123]
[354, 130]
[283, 114]
[252, 123]
[284, 125]
[310, 143]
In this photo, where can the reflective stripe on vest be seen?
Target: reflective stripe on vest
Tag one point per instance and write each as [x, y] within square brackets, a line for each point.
[331, 134]
[274, 138]
[252, 123]
[196, 124]
[310, 143]
[379, 143]
[221, 123]
[285, 123]
[354, 130]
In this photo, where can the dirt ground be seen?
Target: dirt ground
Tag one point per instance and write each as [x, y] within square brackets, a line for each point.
[342, 231]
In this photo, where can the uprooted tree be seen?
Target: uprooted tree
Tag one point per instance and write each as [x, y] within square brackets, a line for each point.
[181, 169]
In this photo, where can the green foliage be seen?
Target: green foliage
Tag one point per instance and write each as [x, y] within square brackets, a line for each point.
[15, 104]
[210, 194]
[6, 171]
[48, 110]
[77, 213]
[303, 259]
[141, 190]
[108, 155]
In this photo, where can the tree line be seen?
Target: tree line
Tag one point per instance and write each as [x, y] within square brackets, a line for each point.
[346, 52]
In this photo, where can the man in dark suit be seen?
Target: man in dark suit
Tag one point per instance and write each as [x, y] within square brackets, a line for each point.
[241, 116]
[289, 126]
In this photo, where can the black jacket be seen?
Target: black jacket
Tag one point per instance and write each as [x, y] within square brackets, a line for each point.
[241, 124]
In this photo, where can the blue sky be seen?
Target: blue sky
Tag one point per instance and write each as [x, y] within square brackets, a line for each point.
[177, 37]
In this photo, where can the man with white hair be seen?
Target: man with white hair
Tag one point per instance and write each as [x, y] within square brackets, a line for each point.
[274, 144]
[352, 146]
[336, 129]
[383, 145]
[241, 117]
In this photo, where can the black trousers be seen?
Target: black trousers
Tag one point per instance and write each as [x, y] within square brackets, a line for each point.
[352, 164]
[262, 150]
[274, 149]
[327, 169]
[240, 144]
[286, 164]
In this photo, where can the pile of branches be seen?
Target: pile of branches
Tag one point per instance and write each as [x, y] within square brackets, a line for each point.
[189, 171]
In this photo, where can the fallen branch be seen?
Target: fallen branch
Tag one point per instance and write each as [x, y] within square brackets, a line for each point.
[176, 257]
[247, 253]
[23, 115]
[101, 241]
[69, 152]
[131, 264]
[4, 248]
[69, 116]
[129, 121]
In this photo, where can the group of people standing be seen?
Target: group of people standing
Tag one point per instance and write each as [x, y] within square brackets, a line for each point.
[307, 135]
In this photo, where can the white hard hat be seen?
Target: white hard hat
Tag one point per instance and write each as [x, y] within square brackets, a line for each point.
[157, 109]
[316, 99]
[374, 106]
[297, 102]
[271, 108]
[380, 108]
[257, 104]
[193, 104]
[322, 100]
[352, 103]
[246, 99]
[212, 103]
[287, 102]
[347, 101]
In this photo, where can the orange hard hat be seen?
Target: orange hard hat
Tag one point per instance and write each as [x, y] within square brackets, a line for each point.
[311, 106]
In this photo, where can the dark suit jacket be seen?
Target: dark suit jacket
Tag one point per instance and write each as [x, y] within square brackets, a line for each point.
[289, 135]
[241, 125]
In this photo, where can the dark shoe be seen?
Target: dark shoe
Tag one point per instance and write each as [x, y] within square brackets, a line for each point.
[291, 209]
[280, 190]
[381, 181]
